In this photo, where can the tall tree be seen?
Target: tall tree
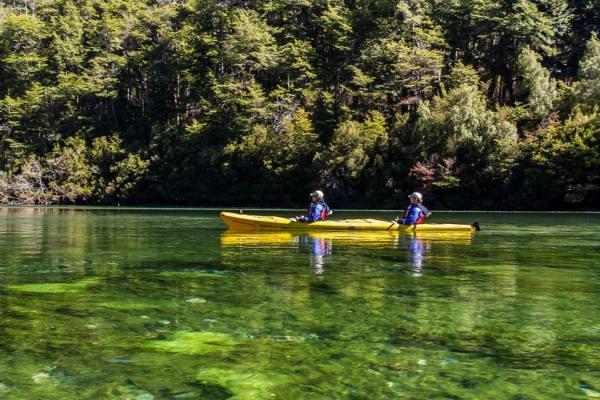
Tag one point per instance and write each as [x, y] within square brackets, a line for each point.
[539, 88]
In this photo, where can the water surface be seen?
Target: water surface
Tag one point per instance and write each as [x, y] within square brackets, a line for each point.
[166, 304]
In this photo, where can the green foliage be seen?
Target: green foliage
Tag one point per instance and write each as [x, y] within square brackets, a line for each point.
[394, 71]
[476, 145]
[355, 148]
[539, 87]
[21, 42]
[274, 157]
[588, 88]
[250, 47]
[528, 25]
[206, 102]
[563, 162]
[462, 75]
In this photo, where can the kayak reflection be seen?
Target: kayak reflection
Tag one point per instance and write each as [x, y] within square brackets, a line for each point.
[320, 245]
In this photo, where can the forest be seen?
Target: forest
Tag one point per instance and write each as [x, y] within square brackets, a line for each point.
[479, 104]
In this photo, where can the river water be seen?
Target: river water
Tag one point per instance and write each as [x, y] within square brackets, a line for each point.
[166, 304]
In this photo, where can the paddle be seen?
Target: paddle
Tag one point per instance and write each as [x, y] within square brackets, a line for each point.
[393, 223]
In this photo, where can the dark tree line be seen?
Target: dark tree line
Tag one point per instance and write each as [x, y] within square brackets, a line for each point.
[478, 103]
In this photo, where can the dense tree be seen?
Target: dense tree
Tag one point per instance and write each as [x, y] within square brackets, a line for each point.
[539, 88]
[253, 102]
[588, 87]
[563, 162]
[475, 145]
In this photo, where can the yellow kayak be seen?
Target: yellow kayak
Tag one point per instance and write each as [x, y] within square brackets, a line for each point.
[257, 222]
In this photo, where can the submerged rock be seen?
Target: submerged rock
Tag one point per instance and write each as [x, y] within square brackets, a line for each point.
[144, 396]
[56, 287]
[185, 395]
[130, 392]
[291, 338]
[195, 343]
[191, 274]
[40, 377]
[121, 361]
[196, 300]
[591, 393]
[245, 384]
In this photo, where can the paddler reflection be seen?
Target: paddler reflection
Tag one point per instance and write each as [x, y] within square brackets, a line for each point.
[417, 251]
[419, 246]
[319, 249]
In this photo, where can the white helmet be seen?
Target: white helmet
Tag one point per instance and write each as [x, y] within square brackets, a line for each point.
[418, 195]
[318, 194]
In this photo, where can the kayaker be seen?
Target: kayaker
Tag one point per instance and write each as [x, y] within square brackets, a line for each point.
[318, 209]
[416, 213]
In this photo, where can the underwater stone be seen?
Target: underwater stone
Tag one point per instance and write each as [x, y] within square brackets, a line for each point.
[55, 287]
[196, 300]
[121, 361]
[195, 343]
[245, 385]
[40, 377]
[144, 396]
[591, 393]
[186, 395]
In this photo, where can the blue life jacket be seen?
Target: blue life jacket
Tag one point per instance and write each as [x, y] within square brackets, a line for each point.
[415, 214]
[318, 211]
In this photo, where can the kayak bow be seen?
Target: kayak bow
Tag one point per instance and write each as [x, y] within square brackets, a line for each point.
[258, 222]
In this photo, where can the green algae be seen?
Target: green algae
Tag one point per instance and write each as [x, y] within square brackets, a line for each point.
[50, 288]
[193, 343]
[192, 274]
[126, 305]
[245, 384]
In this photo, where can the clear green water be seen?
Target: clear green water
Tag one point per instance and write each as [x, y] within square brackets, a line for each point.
[151, 304]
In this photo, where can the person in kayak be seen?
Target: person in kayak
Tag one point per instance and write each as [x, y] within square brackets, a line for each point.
[416, 213]
[318, 209]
